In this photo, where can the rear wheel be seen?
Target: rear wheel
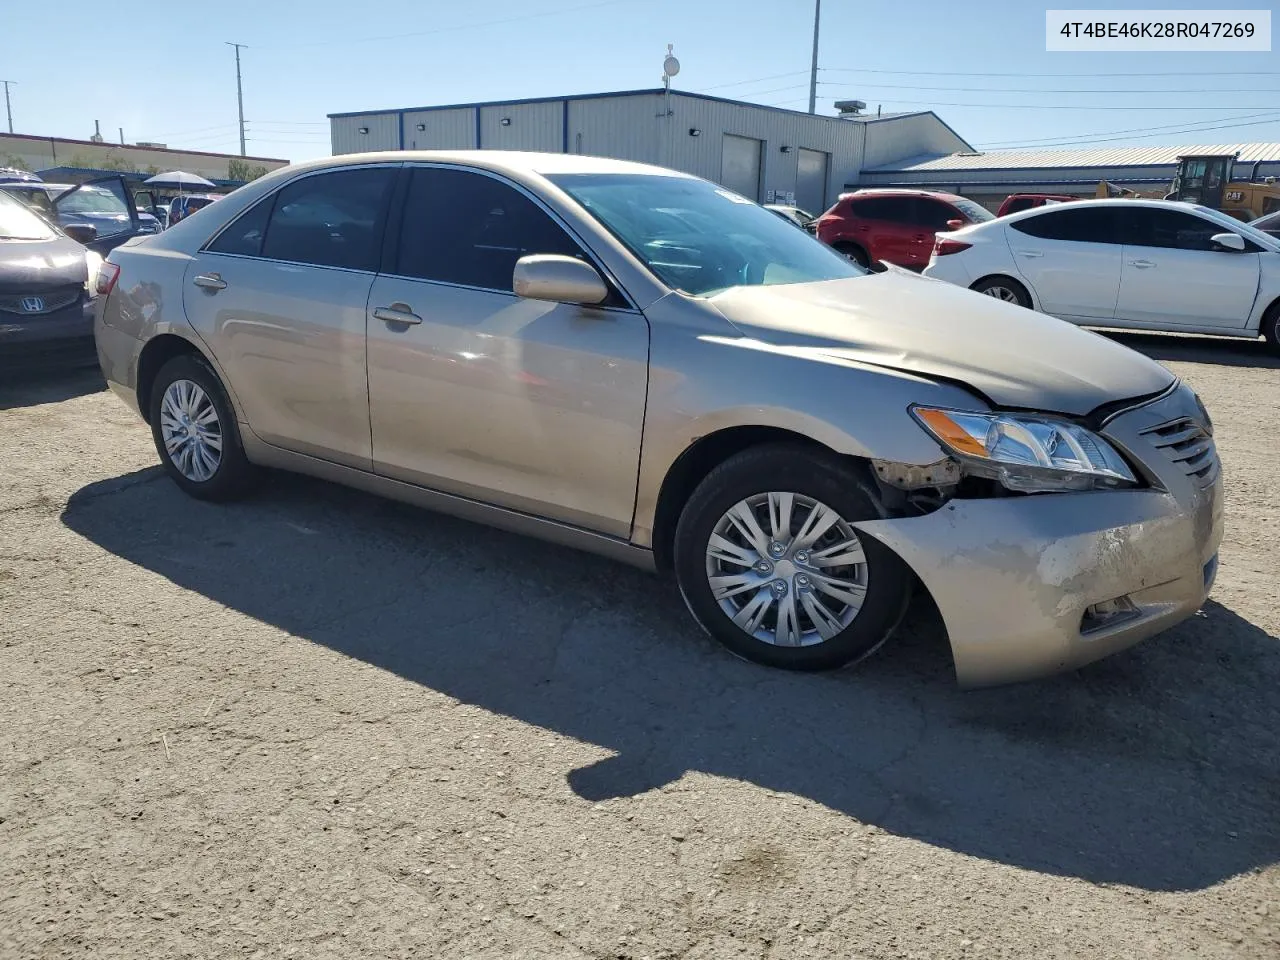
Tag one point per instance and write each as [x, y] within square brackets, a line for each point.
[195, 433]
[854, 253]
[769, 563]
[1004, 288]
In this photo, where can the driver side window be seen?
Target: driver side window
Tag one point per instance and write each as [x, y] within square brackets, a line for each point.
[470, 229]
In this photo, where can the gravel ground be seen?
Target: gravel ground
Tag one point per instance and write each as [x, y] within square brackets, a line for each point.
[317, 724]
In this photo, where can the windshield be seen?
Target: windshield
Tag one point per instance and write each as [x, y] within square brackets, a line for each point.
[94, 200]
[17, 222]
[974, 211]
[1230, 224]
[1270, 222]
[700, 238]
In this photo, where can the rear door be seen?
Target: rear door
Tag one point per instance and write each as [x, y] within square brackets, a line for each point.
[1173, 274]
[107, 205]
[1070, 257]
[884, 227]
[280, 296]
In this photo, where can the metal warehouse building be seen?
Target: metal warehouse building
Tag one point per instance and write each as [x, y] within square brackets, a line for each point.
[989, 177]
[769, 154]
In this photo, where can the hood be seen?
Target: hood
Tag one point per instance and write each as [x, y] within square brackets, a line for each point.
[1013, 356]
[30, 265]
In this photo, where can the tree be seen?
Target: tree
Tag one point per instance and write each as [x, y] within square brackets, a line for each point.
[240, 169]
[118, 163]
[13, 162]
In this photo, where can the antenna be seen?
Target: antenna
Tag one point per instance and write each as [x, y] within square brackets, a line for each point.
[670, 66]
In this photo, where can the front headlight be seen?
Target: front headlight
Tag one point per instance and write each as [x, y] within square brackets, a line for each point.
[1027, 453]
[93, 261]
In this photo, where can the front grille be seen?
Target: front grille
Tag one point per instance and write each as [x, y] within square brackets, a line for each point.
[44, 301]
[1188, 445]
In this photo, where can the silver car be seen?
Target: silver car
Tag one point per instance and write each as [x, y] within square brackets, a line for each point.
[646, 365]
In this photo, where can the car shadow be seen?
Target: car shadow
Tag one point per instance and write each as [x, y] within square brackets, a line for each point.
[31, 388]
[1221, 351]
[1158, 768]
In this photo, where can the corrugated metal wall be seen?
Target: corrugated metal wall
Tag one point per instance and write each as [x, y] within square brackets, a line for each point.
[534, 126]
[635, 126]
[445, 129]
[625, 128]
[909, 136]
[384, 133]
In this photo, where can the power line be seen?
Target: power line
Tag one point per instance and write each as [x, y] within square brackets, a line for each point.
[453, 29]
[1076, 76]
[1062, 106]
[294, 123]
[742, 83]
[1144, 136]
[903, 86]
[1076, 138]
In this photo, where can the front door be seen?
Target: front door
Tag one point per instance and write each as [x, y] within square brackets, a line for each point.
[1070, 258]
[280, 296]
[104, 204]
[526, 404]
[1174, 275]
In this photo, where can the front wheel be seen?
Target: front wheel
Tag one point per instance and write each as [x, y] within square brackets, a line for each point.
[769, 562]
[853, 252]
[1004, 288]
[1271, 326]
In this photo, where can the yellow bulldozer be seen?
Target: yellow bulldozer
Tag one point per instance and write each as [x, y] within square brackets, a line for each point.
[1207, 179]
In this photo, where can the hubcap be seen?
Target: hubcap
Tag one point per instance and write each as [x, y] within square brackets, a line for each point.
[1002, 293]
[191, 431]
[787, 569]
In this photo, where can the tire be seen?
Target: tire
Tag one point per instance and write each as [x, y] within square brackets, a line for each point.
[816, 481]
[214, 467]
[1271, 326]
[854, 253]
[1004, 288]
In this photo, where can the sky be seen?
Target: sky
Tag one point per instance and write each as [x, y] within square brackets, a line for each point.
[979, 64]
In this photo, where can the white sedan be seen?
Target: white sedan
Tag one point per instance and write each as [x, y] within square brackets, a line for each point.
[1144, 264]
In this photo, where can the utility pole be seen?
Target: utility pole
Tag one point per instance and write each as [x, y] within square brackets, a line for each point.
[239, 92]
[813, 69]
[121, 129]
[8, 108]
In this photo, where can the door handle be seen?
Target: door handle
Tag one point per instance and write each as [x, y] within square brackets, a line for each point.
[396, 313]
[210, 281]
[1030, 254]
[1142, 264]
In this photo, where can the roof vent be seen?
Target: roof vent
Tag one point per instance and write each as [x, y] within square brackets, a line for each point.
[850, 108]
[967, 153]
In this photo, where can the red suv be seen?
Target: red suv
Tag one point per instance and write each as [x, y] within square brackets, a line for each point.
[895, 225]
[1016, 202]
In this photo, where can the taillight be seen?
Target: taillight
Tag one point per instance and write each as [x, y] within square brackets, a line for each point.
[108, 274]
[942, 246]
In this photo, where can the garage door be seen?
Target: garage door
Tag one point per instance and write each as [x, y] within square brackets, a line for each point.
[811, 181]
[740, 166]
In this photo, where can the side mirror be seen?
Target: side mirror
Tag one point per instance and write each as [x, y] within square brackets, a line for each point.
[1228, 241]
[81, 232]
[546, 276]
[955, 224]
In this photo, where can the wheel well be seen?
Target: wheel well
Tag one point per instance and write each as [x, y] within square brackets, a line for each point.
[158, 351]
[692, 467]
[1007, 278]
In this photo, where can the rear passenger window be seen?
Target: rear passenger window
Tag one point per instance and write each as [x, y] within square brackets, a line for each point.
[1087, 225]
[470, 229]
[331, 219]
[244, 236]
[890, 209]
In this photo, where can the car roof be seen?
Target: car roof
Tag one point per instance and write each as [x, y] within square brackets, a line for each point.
[901, 192]
[498, 161]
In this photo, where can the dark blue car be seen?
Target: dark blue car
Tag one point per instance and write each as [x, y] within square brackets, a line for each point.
[101, 213]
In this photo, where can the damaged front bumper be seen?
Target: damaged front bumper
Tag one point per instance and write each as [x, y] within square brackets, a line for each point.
[1031, 585]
